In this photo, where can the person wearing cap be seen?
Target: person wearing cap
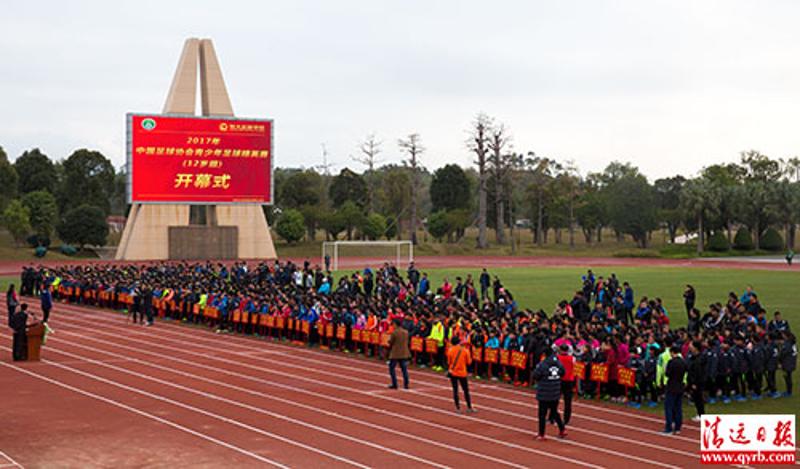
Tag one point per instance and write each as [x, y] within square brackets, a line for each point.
[398, 353]
[458, 359]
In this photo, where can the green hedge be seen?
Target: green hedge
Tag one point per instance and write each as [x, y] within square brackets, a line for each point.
[743, 241]
[718, 242]
[772, 240]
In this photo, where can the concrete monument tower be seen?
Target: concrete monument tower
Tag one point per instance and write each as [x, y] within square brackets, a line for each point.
[174, 231]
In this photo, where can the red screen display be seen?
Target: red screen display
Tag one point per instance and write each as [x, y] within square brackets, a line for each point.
[200, 160]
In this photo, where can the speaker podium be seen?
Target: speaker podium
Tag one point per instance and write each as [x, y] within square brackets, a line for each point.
[35, 335]
[182, 231]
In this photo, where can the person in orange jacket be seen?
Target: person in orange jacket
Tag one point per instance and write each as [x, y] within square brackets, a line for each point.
[458, 359]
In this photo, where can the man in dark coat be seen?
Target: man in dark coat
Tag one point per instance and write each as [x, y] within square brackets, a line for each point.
[18, 324]
[697, 377]
[398, 353]
[673, 399]
[548, 375]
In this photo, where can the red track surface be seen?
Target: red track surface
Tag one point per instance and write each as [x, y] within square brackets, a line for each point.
[434, 262]
[111, 394]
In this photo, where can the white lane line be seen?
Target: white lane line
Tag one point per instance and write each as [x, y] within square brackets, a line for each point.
[451, 429]
[253, 408]
[206, 413]
[148, 415]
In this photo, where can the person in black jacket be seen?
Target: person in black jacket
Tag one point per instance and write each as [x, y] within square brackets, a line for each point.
[788, 359]
[696, 378]
[673, 399]
[740, 369]
[548, 391]
[756, 358]
[771, 365]
[19, 324]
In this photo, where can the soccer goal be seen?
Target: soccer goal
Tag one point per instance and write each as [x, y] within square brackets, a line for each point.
[372, 251]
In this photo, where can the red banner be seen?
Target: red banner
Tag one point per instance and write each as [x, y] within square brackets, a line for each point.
[519, 359]
[329, 330]
[199, 159]
[490, 355]
[579, 369]
[385, 340]
[341, 332]
[599, 372]
[626, 377]
[355, 334]
[374, 337]
[279, 322]
[416, 344]
[477, 354]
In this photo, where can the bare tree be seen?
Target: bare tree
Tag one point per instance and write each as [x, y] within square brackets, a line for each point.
[478, 143]
[369, 148]
[413, 146]
[500, 167]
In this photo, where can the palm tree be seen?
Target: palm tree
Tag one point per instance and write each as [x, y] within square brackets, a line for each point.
[700, 199]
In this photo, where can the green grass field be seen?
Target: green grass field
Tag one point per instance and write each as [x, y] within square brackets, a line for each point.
[543, 287]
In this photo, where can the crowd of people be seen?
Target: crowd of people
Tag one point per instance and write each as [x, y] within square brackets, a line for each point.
[727, 351]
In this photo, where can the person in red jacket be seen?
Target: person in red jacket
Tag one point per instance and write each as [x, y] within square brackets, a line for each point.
[567, 381]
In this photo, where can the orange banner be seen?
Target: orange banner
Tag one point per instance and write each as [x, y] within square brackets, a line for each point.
[355, 334]
[490, 356]
[477, 354]
[579, 370]
[505, 357]
[341, 332]
[599, 372]
[626, 377]
[306, 327]
[280, 321]
[329, 330]
[374, 337]
[431, 345]
[519, 359]
[416, 344]
[385, 340]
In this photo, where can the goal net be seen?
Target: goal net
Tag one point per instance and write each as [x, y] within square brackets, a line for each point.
[361, 253]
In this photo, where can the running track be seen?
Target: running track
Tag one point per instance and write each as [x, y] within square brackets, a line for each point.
[112, 394]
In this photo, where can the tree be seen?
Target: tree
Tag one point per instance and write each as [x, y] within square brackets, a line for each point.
[16, 219]
[333, 223]
[36, 172]
[700, 199]
[88, 179]
[724, 179]
[478, 143]
[438, 225]
[352, 216]
[373, 226]
[632, 207]
[752, 201]
[301, 188]
[542, 171]
[450, 188]
[394, 195]
[369, 149]
[500, 167]
[290, 226]
[8, 180]
[784, 207]
[43, 212]
[412, 145]
[668, 195]
[348, 186]
[84, 224]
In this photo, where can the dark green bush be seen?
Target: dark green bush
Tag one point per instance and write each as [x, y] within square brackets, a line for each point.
[771, 240]
[743, 241]
[68, 250]
[40, 251]
[718, 242]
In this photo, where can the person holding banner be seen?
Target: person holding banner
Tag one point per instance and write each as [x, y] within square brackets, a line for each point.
[398, 353]
[548, 375]
[458, 359]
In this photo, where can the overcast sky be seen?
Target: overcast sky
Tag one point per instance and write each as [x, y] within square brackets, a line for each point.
[671, 86]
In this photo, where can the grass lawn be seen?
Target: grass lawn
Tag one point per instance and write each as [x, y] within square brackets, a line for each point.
[543, 287]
